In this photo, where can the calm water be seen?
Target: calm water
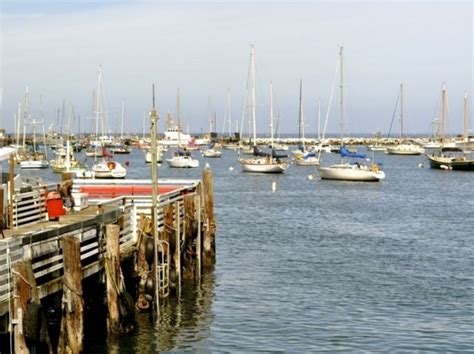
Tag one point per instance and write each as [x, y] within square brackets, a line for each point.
[322, 265]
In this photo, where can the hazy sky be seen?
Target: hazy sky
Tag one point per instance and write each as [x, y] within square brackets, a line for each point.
[55, 47]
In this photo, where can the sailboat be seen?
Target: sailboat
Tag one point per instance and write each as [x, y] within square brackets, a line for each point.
[452, 158]
[34, 159]
[120, 147]
[181, 157]
[106, 168]
[405, 147]
[261, 162]
[345, 171]
[304, 157]
[64, 160]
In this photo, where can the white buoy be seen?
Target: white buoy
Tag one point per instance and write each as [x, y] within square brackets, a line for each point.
[274, 186]
[311, 177]
[420, 165]
[207, 167]
[231, 168]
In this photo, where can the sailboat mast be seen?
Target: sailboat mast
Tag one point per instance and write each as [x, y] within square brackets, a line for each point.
[401, 112]
[300, 108]
[319, 119]
[123, 113]
[465, 121]
[341, 98]
[209, 111]
[179, 119]
[271, 114]
[229, 115]
[97, 110]
[18, 125]
[443, 112]
[26, 112]
[253, 95]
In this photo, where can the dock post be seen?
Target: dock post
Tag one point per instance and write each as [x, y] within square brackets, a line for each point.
[66, 176]
[177, 248]
[188, 268]
[209, 244]
[72, 323]
[112, 271]
[31, 315]
[199, 238]
[20, 299]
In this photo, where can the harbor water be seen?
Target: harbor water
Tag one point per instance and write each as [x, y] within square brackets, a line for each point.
[323, 265]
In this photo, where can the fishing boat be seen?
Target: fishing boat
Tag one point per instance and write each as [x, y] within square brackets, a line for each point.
[261, 162]
[405, 146]
[452, 158]
[345, 171]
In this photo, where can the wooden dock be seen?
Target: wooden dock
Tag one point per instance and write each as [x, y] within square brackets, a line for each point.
[53, 257]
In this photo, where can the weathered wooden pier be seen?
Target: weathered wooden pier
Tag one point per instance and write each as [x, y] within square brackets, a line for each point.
[41, 259]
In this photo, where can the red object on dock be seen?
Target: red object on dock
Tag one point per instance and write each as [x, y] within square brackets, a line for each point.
[54, 205]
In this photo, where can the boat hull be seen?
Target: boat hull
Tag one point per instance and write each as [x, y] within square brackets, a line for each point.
[404, 150]
[183, 163]
[262, 166]
[448, 163]
[34, 164]
[350, 173]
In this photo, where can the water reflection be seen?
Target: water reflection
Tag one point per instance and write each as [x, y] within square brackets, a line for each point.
[184, 321]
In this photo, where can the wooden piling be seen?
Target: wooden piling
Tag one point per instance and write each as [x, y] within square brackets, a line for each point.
[177, 248]
[22, 293]
[113, 275]
[209, 244]
[72, 324]
[188, 256]
[66, 176]
[142, 267]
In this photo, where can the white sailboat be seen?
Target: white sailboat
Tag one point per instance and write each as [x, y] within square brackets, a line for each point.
[405, 147]
[344, 171]
[304, 157]
[259, 164]
[34, 159]
[106, 168]
[181, 158]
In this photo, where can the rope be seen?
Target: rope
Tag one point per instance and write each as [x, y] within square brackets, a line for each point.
[22, 278]
[69, 287]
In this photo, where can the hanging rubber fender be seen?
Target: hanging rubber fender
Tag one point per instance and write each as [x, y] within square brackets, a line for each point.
[126, 309]
[149, 286]
[149, 250]
[195, 228]
[32, 323]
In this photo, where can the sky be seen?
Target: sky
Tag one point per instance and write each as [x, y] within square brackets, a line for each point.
[55, 47]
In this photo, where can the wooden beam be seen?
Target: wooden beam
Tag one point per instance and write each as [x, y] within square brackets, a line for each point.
[71, 335]
[113, 274]
[209, 243]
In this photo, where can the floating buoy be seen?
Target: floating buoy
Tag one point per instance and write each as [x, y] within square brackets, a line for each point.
[207, 167]
[274, 186]
[127, 163]
[311, 176]
[420, 165]
[231, 168]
